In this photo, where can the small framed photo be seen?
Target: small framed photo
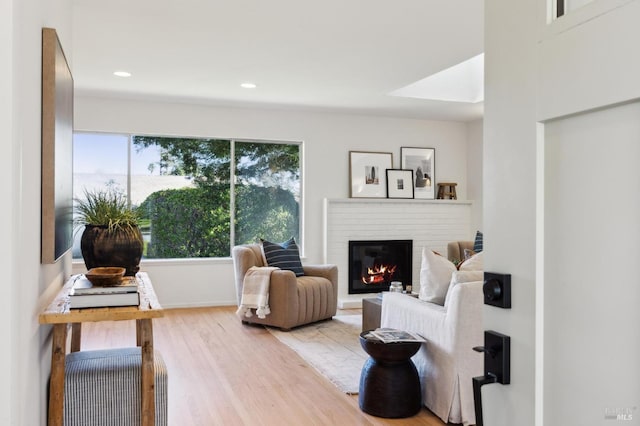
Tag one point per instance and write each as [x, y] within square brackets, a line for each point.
[368, 173]
[422, 163]
[399, 183]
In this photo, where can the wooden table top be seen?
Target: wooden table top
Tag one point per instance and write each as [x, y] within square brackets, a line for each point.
[58, 311]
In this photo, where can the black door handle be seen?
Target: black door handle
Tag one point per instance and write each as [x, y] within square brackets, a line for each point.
[478, 382]
[497, 367]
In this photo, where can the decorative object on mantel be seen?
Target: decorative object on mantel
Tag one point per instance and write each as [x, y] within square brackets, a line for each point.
[422, 161]
[111, 235]
[399, 183]
[367, 171]
[447, 190]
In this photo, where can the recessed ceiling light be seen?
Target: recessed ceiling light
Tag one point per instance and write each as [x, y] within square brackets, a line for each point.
[248, 85]
[122, 74]
[463, 82]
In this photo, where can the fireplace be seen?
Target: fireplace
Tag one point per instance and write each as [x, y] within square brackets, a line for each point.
[374, 264]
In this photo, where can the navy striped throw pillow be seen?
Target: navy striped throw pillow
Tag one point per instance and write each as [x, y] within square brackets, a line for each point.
[283, 255]
[477, 243]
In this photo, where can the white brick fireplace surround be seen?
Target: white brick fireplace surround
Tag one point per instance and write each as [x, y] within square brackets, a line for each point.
[429, 223]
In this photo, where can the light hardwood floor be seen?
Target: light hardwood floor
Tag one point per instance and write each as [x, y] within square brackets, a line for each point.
[224, 373]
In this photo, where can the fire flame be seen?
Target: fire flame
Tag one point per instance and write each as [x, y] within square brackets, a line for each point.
[379, 274]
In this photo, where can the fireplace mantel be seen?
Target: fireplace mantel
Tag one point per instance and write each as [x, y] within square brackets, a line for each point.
[429, 223]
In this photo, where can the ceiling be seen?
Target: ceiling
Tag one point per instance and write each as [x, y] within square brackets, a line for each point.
[330, 55]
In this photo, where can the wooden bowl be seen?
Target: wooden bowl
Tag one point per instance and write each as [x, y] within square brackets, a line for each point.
[105, 276]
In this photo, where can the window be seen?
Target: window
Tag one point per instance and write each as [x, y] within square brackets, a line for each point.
[197, 197]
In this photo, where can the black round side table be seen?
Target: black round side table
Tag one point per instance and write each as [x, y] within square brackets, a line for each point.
[389, 382]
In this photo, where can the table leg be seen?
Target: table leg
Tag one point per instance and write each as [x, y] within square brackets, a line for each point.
[145, 341]
[56, 385]
[76, 336]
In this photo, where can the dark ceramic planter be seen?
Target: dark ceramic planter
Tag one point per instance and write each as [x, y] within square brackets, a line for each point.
[103, 248]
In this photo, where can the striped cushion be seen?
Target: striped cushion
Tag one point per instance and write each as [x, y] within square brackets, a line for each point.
[283, 255]
[477, 243]
[102, 388]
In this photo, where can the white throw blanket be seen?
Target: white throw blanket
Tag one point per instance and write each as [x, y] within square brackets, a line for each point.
[255, 292]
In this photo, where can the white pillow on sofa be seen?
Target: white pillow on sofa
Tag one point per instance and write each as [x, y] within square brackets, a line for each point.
[435, 275]
[460, 277]
[474, 263]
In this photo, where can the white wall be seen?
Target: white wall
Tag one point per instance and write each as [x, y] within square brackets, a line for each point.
[535, 73]
[474, 172]
[327, 138]
[7, 192]
[28, 286]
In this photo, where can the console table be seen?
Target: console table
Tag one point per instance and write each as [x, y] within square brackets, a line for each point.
[60, 316]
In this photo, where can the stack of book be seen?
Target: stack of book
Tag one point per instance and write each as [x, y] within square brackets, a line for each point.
[86, 295]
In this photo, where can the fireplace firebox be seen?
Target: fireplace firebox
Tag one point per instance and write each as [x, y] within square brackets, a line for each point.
[373, 264]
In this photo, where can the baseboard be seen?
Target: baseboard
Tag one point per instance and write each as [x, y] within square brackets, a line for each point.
[350, 303]
[197, 305]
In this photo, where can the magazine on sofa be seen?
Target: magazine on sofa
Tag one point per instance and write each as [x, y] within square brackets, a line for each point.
[390, 335]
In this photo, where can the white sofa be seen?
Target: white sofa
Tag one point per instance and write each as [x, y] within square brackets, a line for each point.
[447, 363]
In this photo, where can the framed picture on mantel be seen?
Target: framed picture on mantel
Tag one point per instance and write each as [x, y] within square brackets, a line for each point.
[399, 183]
[422, 161]
[368, 173]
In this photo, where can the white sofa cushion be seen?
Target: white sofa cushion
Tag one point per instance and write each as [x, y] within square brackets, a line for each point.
[435, 275]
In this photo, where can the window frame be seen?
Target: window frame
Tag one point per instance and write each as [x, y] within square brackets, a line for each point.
[232, 179]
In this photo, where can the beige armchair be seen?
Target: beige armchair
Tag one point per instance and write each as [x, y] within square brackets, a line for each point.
[293, 300]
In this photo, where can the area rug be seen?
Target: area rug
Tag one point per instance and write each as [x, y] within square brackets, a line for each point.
[331, 347]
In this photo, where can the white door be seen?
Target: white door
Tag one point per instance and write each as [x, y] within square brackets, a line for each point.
[591, 280]
[560, 126]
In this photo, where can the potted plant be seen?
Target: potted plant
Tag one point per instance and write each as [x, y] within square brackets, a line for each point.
[111, 235]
